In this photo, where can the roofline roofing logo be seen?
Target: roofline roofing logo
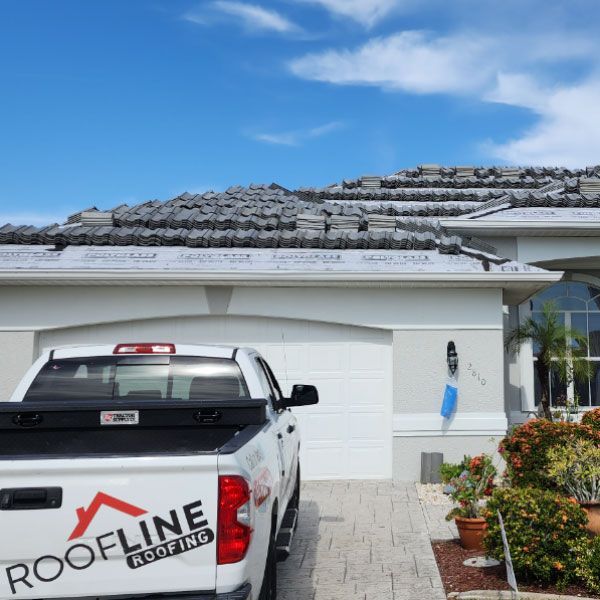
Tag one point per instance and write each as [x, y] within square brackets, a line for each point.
[86, 516]
[149, 540]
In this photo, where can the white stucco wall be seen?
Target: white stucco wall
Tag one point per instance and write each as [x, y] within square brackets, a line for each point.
[407, 452]
[17, 349]
[38, 308]
[422, 322]
[420, 370]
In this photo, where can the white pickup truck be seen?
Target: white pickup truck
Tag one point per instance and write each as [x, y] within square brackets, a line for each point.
[148, 471]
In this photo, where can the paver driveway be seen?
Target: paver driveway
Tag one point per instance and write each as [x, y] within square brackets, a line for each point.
[367, 540]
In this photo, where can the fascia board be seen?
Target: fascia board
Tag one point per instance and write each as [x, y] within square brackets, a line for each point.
[273, 278]
[538, 228]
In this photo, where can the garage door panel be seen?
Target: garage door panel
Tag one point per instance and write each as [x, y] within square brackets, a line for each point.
[349, 433]
[367, 426]
[324, 463]
[324, 427]
[367, 357]
[367, 391]
[326, 358]
[291, 362]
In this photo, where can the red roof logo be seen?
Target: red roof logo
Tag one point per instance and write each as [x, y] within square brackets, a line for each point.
[86, 515]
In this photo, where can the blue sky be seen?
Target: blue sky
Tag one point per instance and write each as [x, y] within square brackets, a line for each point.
[111, 101]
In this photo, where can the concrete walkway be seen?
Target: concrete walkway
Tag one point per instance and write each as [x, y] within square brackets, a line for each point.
[367, 540]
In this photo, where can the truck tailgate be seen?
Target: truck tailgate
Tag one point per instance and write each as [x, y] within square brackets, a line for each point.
[98, 526]
[113, 498]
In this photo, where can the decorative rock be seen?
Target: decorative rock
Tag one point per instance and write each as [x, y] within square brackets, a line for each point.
[481, 562]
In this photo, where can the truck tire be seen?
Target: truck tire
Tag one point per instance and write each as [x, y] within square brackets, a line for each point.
[268, 591]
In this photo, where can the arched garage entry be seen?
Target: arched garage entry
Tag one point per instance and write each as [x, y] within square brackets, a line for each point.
[349, 434]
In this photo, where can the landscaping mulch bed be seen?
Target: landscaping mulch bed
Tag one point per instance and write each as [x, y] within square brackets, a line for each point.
[458, 578]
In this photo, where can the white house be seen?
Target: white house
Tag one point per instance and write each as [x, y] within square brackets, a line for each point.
[357, 288]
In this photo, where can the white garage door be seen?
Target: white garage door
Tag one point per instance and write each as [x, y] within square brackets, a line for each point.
[348, 435]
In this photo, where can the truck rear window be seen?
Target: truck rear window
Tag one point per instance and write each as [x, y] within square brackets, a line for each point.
[139, 378]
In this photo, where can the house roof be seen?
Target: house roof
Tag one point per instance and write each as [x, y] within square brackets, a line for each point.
[399, 212]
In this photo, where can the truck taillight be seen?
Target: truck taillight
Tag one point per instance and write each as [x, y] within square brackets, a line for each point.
[233, 522]
[144, 349]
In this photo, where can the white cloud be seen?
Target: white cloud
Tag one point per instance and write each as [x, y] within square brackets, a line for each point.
[254, 17]
[31, 218]
[412, 61]
[367, 12]
[297, 137]
[512, 70]
[567, 132]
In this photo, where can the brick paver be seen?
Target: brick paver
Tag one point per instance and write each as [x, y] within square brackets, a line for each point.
[367, 540]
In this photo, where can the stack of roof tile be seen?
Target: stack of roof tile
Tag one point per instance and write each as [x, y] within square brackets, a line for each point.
[589, 185]
[430, 170]
[344, 222]
[368, 181]
[384, 222]
[465, 172]
[310, 221]
[95, 217]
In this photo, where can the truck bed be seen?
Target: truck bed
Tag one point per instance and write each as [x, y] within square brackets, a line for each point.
[126, 428]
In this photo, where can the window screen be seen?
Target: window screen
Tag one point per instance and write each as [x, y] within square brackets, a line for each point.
[139, 378]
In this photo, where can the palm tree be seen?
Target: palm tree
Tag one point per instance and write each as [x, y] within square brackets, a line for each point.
[560, 348]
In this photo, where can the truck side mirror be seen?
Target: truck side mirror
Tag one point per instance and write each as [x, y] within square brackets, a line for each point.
[302, 395]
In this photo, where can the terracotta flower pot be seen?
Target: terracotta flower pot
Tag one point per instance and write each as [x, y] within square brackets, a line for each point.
[471, 532]
[593, 513]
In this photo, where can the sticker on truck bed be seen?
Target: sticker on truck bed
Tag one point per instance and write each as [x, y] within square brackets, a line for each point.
[186, 522]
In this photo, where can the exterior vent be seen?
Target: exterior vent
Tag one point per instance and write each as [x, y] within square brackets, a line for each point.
[96, 219]
[589, 185]
[370, 181]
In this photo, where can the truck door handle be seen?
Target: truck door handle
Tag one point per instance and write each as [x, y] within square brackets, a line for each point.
[208, 416]
[30, 498]
[291, 428]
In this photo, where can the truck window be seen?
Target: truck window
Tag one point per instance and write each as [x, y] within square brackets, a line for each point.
[192, 378]
[267, 377]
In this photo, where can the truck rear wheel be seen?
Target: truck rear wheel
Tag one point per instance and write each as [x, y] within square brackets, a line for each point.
[268, 590]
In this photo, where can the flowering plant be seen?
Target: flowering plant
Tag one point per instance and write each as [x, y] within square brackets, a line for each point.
[525, 449]
[472, 486]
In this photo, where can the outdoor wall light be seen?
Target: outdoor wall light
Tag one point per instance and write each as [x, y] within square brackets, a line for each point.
[452, 357]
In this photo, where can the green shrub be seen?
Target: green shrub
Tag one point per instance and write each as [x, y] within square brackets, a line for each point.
[543, 529]
[525, 449]
[449, 471]
[575, 469]
[591, 418]
[588, 563]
